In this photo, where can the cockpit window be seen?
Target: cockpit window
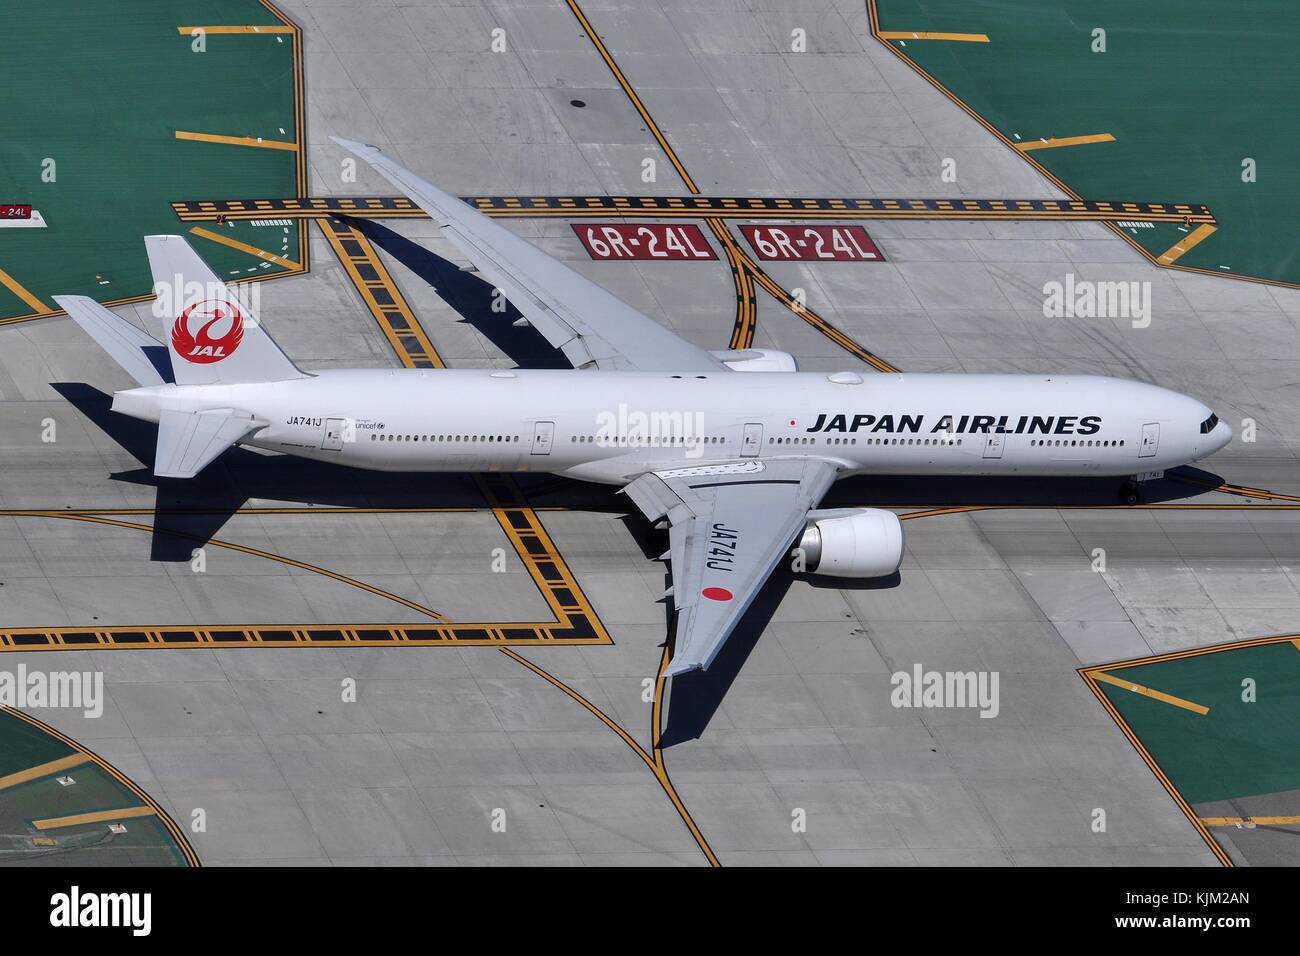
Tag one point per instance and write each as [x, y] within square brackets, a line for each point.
[1207, 426]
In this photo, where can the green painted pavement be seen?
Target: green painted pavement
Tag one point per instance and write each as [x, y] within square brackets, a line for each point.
[1238, 749]
[1188, 90]
[147, 841]
[101, 89]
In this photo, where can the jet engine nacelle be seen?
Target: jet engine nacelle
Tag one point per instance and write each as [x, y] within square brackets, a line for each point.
[757, 360]
[852, 543]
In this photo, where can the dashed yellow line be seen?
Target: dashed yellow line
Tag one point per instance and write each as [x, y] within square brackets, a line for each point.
[256, 141]
[99, 816]
[1054, 142]
[17, 288]
[245, 247]
[223, 30]
[925, 35]
[1148, 692]
[42, 770]
[1187, 244]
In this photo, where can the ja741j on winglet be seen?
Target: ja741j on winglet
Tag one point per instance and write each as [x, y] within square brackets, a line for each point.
[735, 449]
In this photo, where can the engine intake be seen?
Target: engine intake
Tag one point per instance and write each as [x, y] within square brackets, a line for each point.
[852, 543]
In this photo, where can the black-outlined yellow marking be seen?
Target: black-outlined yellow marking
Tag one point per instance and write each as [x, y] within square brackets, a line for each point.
[929, 35]
[257, 142]
[94, 816]
[1250, 821]
[175, 832]
[43, 770]
[698, 207]
[262, 254]
[232, 30]
[1161, 696]
[1186, 244]
[1056, 142]
[380, 294]
[38, 307]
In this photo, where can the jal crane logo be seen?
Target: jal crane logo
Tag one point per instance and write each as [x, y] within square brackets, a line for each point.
[204, 345]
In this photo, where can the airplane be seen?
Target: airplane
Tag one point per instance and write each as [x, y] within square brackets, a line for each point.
[734, 449]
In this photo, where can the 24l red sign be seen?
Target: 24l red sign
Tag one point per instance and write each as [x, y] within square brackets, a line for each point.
[626, 241]
[812, 243]
[14, 211]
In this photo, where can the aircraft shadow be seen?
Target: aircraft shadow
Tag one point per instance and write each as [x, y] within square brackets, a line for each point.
[191, 511]
[470, 296]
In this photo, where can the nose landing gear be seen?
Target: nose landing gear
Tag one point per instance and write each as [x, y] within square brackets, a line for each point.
[1131, 491]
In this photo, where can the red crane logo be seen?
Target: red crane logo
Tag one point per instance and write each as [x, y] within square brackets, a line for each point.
[205, 346]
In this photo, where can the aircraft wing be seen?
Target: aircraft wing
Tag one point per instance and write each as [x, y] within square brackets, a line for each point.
[729, 525]
[591, 326]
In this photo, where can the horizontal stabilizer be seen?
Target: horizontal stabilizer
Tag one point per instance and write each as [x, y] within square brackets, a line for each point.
[189, 441]
[139, 354]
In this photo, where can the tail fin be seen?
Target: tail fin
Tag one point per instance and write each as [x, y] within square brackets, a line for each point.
[214, 338]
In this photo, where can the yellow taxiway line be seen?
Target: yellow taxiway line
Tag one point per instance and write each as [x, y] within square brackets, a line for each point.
[14, 286]
[1192, 240]
[957, 37]
[226, 30]
[245, 247]
[1054, 141]
[655, 763]
[257, 141]
[42, 770]
[1148, 692]
[99, 816]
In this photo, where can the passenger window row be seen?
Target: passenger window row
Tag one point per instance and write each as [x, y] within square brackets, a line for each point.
[642, 442]
[1060, 442]
[445, 438]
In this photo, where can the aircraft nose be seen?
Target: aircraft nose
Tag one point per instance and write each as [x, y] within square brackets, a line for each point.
[1220, 436]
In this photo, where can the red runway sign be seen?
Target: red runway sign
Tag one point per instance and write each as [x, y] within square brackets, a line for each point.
[607, 241]
[812, 243]
[13, 211]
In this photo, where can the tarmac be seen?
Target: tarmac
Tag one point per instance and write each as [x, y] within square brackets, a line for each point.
[790, 752]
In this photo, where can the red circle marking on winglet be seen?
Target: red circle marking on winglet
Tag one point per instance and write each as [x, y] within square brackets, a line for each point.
[717, 594]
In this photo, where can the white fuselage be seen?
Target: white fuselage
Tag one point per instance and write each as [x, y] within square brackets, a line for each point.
[610, 426]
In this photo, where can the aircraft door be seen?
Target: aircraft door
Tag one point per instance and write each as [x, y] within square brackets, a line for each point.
[1150, 440]
[333, 438]
[993, 445]
[752, 440]
[543, 436]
